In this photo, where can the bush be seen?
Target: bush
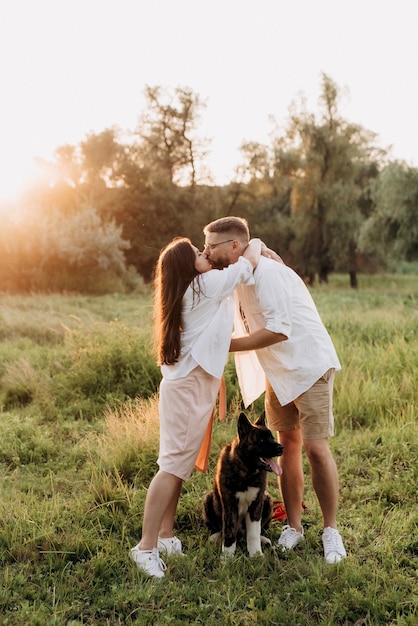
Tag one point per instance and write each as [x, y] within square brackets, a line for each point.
[56, 252]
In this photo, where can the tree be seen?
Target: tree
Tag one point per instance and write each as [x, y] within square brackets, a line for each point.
[160, 198]
[326, 190]
[79, 176]
[261, 194]
[310, 187]
[167, 135]
[391, 232]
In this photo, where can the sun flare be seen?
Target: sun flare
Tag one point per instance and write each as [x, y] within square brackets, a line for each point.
[17, 175]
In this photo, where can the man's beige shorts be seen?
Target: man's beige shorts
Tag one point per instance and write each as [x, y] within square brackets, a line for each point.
[185, 407]
[311, 411]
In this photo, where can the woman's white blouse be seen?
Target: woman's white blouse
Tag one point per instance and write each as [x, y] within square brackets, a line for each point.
[207, 320]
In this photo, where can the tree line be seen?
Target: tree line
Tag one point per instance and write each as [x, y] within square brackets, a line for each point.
[321, 193]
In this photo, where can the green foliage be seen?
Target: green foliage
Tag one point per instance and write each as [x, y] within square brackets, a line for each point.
[391, 232]
[73, 491]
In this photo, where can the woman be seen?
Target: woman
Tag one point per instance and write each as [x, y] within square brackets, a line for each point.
[193, 314]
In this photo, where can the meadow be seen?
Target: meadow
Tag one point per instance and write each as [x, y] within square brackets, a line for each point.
[78, 447]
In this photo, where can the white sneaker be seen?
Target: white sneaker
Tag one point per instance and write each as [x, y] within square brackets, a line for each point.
[170, 545]
[290, 538]
[149, 561]
[334, 550]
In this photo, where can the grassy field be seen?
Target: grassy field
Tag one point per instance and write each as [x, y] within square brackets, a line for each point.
[78, 448]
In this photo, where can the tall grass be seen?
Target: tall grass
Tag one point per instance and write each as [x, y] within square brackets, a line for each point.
[78, 447]
[72, 361]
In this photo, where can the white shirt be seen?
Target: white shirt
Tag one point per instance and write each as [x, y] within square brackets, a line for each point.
[207, 320]
[280, 301]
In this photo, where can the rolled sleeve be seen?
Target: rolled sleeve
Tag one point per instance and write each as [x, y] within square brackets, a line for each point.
[275, 325]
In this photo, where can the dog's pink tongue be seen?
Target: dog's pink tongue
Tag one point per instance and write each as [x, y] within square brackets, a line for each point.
[275, 467]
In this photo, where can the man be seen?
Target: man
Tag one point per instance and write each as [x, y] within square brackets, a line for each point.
[299, 362]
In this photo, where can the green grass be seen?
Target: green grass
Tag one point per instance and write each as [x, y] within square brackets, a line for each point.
[78, 449]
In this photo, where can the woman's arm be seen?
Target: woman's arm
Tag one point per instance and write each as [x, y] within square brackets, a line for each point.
[270, 254]
[253, 251]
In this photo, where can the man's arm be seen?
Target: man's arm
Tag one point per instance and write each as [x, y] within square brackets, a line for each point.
[260, 339]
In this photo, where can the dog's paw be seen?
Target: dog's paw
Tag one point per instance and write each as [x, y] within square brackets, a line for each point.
[265, 540]
[256, 553]
[215, 537]
[228, 552]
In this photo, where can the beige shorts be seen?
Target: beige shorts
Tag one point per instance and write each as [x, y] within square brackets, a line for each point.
[185, 407]
[311, 411]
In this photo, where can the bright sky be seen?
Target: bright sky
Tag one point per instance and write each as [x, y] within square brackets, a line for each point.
[71, 67]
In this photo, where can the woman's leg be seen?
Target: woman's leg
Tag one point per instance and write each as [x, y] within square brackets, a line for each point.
[167, 523]
[160, 506]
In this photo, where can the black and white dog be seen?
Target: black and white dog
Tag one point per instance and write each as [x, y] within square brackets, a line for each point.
[239, 502]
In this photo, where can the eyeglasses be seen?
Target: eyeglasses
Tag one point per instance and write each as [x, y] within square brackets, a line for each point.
[212, 246]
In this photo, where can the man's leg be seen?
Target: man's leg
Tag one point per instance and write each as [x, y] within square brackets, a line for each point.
[325, 482]
[324, 478]
[291, 481]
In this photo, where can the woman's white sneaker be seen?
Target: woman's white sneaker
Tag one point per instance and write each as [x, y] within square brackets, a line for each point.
[334, 550]
[170, 545]
[149, 562]
[290, 538]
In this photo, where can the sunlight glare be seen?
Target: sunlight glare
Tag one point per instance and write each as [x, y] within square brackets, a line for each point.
[17, 176]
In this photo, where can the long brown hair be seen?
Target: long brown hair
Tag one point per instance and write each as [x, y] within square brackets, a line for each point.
[174, 272]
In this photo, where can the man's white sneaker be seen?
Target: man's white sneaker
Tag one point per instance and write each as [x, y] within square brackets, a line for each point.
[169, 545]
[334, 550]
[290, 538]
[149, 562]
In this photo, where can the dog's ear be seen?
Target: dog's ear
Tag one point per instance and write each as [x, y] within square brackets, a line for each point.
[261, 419]
[244, 425]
